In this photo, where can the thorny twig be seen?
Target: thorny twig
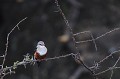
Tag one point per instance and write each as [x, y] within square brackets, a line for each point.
[27, 60]
[96, 37]
[93, 39]
[6, 49]
[69, 29]
[113, 67]
[97, 63]
[8, 40]
[110, 68]
[7, 74]
[108, 56]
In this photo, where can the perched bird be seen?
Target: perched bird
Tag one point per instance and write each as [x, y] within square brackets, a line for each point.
[40, 52]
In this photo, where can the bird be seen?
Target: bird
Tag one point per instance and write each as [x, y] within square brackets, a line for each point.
[40, 52]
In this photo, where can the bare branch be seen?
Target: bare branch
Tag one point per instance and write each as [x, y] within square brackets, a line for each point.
[8, 40]
[94, 41]
[70, 31]
[12, 72]
[96, 37]
[1, 56]
[113, 67]
[111, 74]
[27, 60]
[110, 68]
[108, 56]
[63, 56]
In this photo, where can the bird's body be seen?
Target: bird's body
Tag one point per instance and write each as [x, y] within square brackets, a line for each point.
[40, 52]
[38, 57]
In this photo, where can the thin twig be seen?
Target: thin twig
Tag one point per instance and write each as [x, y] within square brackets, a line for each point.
[94, 41]
[106, 70]
[111, 74]
[2, 56]
[12, 72]
[108, 56]
[72, 35]
[8, 40]
[96, 37]
[28, 60]
[110, 68]
[63, 56]
[113, 67]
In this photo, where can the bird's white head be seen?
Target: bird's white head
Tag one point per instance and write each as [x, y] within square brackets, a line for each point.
[41, 43]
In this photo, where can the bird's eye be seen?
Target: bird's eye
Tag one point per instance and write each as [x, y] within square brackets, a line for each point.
[40, 44]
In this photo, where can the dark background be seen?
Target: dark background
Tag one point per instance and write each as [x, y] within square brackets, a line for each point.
[44, 23]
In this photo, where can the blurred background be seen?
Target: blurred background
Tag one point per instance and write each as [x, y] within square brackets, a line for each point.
[44, 23]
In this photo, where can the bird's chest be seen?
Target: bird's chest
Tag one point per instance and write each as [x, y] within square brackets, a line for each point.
[39, 57]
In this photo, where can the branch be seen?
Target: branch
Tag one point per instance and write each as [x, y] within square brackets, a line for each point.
[3, 70]
[108, 56]
[27, 60]
[96, 37]
[110, 68]
[70, 31]
[6, 49]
